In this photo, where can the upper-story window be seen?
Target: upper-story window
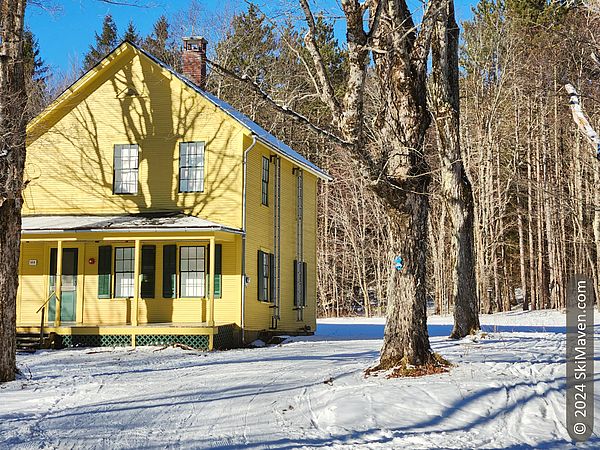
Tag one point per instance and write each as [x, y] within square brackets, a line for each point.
[191, 167]
[126, 163]
[265, 181]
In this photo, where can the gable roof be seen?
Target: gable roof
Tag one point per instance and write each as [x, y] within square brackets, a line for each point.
[261, 134]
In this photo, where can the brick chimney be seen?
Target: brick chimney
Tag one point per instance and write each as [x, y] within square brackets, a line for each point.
[194, 60]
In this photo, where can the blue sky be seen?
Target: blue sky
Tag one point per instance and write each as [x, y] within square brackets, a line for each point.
[65, 35]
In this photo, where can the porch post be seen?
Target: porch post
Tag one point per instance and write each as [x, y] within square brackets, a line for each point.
[136, 286]
[211, 284]
[58, 284]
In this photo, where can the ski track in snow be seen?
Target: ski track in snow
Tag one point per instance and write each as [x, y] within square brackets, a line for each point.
[507, 390]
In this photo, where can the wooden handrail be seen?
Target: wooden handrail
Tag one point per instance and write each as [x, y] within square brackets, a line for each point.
[47, 300]
[43, 310]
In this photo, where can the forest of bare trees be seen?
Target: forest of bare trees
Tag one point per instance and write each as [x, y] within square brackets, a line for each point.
[459, 154]
[533, 175]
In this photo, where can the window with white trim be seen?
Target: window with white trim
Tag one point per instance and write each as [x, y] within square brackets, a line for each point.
[191, 167]
[192, 269]
[265, 181]
[124, 267]
[126, 166]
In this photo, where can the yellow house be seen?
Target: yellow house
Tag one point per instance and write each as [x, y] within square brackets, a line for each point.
[157, 213]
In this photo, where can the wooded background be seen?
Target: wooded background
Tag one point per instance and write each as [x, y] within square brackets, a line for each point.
[536, 181]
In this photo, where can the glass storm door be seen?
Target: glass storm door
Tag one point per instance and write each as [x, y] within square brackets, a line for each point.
[68, 285]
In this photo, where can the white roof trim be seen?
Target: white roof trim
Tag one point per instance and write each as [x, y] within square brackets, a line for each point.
[154, 222]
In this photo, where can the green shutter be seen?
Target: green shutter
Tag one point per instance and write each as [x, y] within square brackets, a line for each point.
[53, 258]
[169, 271]
[218, 274]
[261, 277]
[148, 270]
[303, 284]
[271, 277]
[104, 270]
[217, 271]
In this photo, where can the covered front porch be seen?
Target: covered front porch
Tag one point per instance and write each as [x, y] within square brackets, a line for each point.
[129, 280]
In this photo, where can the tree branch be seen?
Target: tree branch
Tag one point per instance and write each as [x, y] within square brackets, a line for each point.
[279, 107]
[581, 120]
[421, 46]
[137, 4]
[375, 16]
[310, 39]
[291, 47]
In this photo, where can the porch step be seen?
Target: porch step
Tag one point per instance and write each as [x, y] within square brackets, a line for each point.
[30, 342]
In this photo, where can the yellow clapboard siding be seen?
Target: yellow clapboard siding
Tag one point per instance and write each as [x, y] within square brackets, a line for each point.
[101, 311]
[260, 237]
[70, 169]
[32, 283]
[71, 164]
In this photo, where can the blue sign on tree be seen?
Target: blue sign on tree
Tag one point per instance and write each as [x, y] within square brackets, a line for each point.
[398, 263]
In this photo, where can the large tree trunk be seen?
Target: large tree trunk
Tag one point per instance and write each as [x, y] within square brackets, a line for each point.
[456, 187]
[406, 339]
[12, 163]
[397, 169]
[401, 71]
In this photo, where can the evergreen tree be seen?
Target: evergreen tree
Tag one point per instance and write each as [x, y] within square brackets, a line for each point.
[105, 43]
[537, 12]
[250, 46]
[35, 68]
[36, 74]
[131, 34]
[334, 57]
[160, 44]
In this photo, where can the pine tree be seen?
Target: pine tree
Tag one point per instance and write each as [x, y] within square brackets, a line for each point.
[105, 43]
[250, 46]
[334, 57]
[131, 34]
[36, 74]
[35, 68]
[160, 44]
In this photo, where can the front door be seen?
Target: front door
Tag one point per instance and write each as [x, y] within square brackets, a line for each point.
[68, 289]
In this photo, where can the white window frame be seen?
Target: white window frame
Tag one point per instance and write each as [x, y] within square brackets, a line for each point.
[264, 180]
[191, 166]
[124, 270]
[126, 169]
[192, 271]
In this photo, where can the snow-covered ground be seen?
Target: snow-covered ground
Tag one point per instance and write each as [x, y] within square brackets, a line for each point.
[506, 391]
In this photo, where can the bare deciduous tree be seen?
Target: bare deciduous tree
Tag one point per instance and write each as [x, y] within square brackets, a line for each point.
[13, 101]
[456, 186]
[397, 169]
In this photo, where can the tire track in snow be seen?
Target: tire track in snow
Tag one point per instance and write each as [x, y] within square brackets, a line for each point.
[275, 378]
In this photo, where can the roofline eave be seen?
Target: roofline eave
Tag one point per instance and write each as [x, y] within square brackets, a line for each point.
[135, 230]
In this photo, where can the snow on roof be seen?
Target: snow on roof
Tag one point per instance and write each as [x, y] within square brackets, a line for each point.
[133, 222]
[256, 129]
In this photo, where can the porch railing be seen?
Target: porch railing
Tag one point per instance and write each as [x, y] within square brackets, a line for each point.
[43, 310]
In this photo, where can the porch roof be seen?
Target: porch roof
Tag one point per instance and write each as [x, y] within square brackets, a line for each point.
[146, 222]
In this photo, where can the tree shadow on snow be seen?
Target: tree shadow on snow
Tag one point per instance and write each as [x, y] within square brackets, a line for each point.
[515, 399]
[367, 331]
[364, 331]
